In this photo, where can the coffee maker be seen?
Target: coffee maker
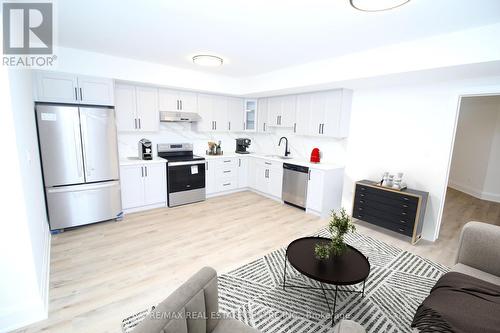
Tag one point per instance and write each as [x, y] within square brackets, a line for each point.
[145, 150]
[242, 144]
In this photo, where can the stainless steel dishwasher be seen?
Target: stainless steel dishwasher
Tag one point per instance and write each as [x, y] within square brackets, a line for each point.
[295, 180]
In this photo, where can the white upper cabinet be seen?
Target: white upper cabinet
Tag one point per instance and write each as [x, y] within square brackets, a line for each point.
[235, 114]
[262, 115]
[325, 113]
[281, 111]
[250, 115]
[69, 88]
[136, 108]
[219, 114]
[173, 100]
[205, 110]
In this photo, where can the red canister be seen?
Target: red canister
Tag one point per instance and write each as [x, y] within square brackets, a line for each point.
[315, 157]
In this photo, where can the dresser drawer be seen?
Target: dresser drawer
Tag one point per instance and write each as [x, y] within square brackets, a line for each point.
[405, 229]
[384, 194]
[394, 217]
[387, 205]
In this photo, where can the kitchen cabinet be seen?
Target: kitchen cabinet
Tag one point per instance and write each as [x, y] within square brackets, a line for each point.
[324, 191]
[250, 115]
[243, 179]
[268, 177]
[210, 187]
[262, 115]
[143, 185]
[69, 88]
[325, 113]
[282, 110]
[213, 112]
[136, 108]
[173, 100]
[235, 114]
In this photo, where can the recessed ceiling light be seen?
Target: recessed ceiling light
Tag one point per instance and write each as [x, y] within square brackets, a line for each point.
[377, 5]
[208, 60]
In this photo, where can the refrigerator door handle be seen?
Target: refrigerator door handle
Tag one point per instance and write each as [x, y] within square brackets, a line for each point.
[78, 145]
[79, 188]
[88, 164]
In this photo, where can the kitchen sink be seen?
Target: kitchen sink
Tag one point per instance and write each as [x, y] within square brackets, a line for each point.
[280, 156]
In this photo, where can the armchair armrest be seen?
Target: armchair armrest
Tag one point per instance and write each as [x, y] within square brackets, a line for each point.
[479, 247]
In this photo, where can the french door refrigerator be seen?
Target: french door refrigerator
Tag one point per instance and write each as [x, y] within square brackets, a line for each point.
[79, 154]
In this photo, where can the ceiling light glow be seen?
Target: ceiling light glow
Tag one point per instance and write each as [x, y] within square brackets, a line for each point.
[377, 5]
[208, 60]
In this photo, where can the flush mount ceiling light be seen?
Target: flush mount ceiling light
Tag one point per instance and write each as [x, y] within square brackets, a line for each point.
[208, 60]
[377, 5]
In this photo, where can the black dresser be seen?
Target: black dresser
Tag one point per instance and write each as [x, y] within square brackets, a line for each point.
[399, 211]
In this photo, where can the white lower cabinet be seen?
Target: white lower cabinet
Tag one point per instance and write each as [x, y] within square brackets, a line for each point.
[268, 177]
[243, 172]
[324, 191]
[143, 185]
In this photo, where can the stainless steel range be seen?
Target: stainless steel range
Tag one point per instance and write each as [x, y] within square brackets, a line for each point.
[185, 174]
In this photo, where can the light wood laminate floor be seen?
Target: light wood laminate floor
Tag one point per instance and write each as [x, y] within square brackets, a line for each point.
[102, 273]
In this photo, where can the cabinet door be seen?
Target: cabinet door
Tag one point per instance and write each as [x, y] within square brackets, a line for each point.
[96, 91]
[205, 110]
[250, 117]
[155, 184]
[303, 114]
[337, 123]
[168, 100]
[275, 180]
[220, 114]
[210, 184]
[188, 101]
[332, 112]
[274, 110]
[132, 186]
[288, 111]
[261, 180]
[243, 177]
[56, 87]
[235, 114]
[125, 108]
[315, 190]
[147, 109]
[262, 115]
[318, 109]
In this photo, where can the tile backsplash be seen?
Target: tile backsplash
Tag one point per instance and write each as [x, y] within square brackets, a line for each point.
[333, 150]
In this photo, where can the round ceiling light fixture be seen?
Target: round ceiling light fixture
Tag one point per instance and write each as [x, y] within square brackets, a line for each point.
[377, 5]
[208, 60]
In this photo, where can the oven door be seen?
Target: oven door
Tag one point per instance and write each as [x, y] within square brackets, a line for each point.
[186, 182]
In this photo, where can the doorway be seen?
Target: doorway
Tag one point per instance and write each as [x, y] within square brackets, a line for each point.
[473, 192]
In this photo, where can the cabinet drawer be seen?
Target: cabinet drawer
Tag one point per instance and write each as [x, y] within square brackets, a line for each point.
[225, 163]
[227, 185]
[226, 173]
[405, 229]
[387, 206]
[395, 217]
[382, 194]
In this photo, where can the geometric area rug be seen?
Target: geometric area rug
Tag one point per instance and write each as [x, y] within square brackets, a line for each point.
[398, 282]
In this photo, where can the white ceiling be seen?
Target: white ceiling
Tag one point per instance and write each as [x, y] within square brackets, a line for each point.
[255, 36]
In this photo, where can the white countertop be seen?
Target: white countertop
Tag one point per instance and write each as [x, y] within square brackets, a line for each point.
[297, 161]
[135, 161]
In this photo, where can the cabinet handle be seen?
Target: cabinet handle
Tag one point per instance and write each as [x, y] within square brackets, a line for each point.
[403, 213]
[405, 206]
[215, 125]
[401, 229]
[142, 171]
[135, 123]
[309, 174]
[229, 125]
[361, 201]
[227, 161]
[319, 129]
[362, 195]
[244, 126]
[239, 162]
[406, 199]
[146, 171]
[206, 166]
[402, 221]
[177, 104]
[294, 127]
[226, 171]
[264, 127]
[76, 94]
[139, 123]
[181, 103]
[268, 163]
[81, 94]
[226, 184]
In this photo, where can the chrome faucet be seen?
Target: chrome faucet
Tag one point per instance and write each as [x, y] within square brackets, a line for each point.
[287, 152]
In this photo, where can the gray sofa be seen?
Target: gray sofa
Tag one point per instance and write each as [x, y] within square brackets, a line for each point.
[192, 308]
[479, 252]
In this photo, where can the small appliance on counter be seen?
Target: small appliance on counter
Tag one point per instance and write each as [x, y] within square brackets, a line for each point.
[315, 156]
[145, 149]
[214, 149]
[242, 144]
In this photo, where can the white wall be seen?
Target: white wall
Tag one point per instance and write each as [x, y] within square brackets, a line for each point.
[25, 238]
[408, 129]
[476, 158]
[333, 150]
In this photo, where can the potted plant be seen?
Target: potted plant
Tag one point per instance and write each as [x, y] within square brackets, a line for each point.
[340, 224]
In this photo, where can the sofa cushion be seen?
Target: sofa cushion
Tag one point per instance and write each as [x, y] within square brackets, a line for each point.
[233, 326]
[461, 268]
[178, 325]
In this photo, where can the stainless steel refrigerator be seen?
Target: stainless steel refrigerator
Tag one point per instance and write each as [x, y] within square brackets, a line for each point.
[78, 148]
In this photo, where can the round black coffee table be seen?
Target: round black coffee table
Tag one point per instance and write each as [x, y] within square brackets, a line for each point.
[350, 268]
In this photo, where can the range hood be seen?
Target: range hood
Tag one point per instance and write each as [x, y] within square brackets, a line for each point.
[171, 116]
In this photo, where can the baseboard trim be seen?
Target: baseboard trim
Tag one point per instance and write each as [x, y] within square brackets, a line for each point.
[488, 196]
[143, 208]
[45, 283]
